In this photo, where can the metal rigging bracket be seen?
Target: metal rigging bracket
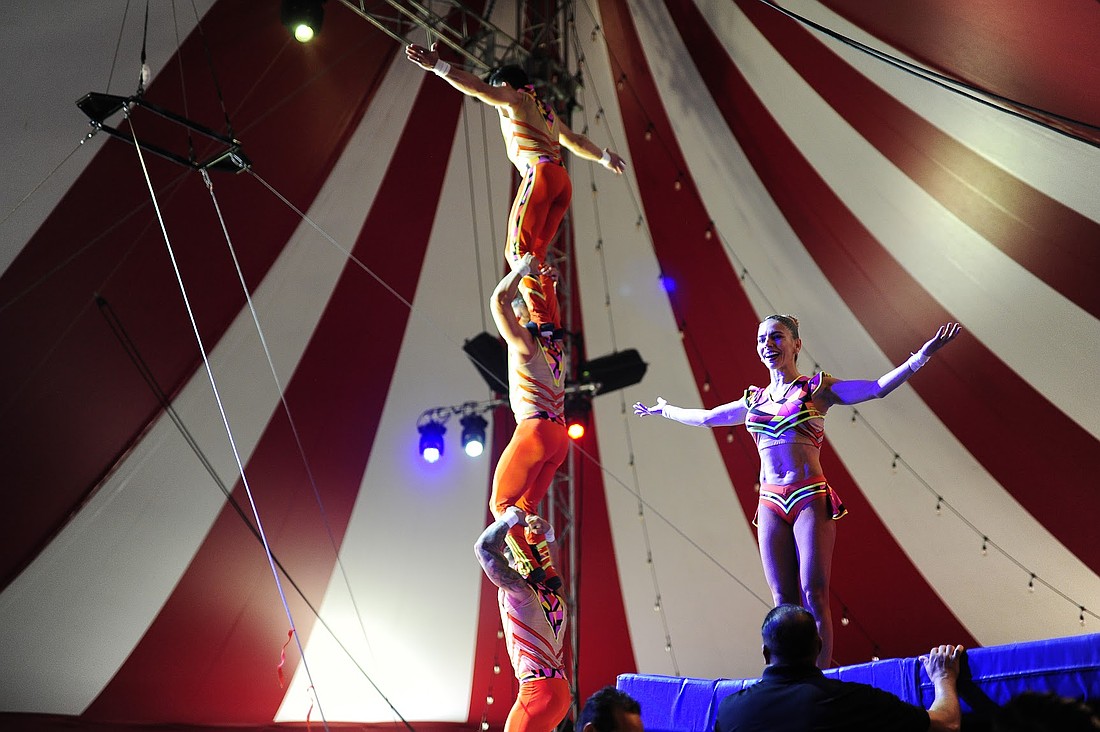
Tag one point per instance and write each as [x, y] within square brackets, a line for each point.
[99, 107]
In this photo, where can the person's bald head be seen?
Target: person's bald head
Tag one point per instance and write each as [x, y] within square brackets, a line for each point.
[790, 636]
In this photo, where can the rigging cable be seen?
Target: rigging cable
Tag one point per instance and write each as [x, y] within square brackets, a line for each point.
[601, 253]
[283, 401]
[221, 406]
[962, 88]
[301, 448]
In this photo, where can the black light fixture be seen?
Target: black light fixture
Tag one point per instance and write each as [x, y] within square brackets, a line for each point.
[473, 434]
[614, 371]
[431, 440]
[303, 18]
[491, 359]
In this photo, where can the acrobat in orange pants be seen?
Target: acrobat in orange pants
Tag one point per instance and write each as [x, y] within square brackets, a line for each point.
[540, 705]
[526, 468]
[540, 205]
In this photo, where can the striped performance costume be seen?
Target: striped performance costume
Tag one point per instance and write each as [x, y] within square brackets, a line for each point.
[534, 631]
[539, 444]
[531, 136]
[790, 417]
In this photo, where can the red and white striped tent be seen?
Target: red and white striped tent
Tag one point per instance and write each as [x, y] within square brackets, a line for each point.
[853, 177]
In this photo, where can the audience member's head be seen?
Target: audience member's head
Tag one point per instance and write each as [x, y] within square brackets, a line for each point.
[610, 710]
[790, 636]
[1032, 711]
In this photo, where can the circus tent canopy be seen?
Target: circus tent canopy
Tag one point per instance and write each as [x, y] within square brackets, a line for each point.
[846, 176]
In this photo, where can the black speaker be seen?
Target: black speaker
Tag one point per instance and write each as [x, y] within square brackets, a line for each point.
[615, 371]
[491, 359]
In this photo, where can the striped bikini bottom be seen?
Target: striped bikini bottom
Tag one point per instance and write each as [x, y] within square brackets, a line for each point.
[787, 501]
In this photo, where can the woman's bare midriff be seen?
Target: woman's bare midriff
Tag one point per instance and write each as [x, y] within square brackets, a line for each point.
[783, 463]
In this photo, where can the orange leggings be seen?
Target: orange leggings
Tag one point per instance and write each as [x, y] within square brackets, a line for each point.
[540, 204]
[540, 705]
[526, 467]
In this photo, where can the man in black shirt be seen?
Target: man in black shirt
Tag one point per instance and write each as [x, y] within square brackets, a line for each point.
[794, 696]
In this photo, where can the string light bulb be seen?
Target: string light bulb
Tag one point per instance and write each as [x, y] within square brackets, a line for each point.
[649, 132]
[496, 669]
[489, 700]
[985, 546]
[1081, 617]
[894, 465]
[939, 505]
[1031, 583]
[844, 618]
[621, 82]
[485, 724]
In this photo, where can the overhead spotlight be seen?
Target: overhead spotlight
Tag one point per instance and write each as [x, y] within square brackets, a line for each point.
[303, 18]
[431, 440]
[473, 434]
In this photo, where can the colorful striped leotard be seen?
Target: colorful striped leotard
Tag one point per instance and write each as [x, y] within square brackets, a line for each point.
[534, 631]
[536, 387]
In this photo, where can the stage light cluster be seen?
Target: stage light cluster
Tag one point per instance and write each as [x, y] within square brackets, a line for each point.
[432, 427]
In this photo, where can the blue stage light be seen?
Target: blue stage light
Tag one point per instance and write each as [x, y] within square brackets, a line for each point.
[473, 434]
[431, 440]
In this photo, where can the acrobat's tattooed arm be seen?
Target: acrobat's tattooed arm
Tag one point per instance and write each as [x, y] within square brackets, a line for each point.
[489, 550]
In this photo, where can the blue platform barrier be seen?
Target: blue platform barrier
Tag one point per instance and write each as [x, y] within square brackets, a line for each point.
[1068, 667]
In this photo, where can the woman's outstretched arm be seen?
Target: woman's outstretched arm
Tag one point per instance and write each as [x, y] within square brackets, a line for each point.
[858, 390]
[724, 415]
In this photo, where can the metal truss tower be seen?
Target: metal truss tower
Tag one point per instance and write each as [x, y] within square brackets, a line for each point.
[538, 42]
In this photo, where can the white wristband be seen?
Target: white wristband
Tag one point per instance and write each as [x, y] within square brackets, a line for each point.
[441, 68]
[667, 411]
[606, 157]
[550, 535]
[916, 360]
[512, 516]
